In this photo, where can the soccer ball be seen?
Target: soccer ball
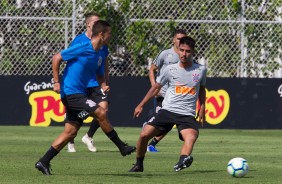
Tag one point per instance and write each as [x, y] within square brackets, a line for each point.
[237, 167]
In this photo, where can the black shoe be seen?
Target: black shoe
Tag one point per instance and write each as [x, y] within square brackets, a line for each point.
[136, 168]
[45, 169]
[126, 150]
[185, 164]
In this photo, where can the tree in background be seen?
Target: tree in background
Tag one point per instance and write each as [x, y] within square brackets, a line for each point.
[228, 46]
[28, 44]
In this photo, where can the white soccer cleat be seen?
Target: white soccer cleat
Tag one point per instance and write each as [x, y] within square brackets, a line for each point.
[89, 143]
[71, 147]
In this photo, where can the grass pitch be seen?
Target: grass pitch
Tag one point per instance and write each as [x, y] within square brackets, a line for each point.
[22, 146]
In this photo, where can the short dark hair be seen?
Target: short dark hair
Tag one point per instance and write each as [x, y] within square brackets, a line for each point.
[100, 26]
[90, 14]
[188, 41]
[179, 31]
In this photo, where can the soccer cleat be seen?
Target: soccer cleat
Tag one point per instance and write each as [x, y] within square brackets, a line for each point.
[185, 164]
[136, 168]
[152, 148]
[126, 149]
[89, 143]
[71, 147]
[45, 169]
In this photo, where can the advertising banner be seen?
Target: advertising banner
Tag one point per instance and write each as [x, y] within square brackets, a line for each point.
[230, 103]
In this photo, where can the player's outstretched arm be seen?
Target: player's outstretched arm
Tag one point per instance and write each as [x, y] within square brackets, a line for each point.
[56, 61]
[152, 72]
[202, 99]
[154, 90]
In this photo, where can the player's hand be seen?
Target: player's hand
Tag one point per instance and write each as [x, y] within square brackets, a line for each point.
[57, 87]
[202, 116]
[105, 89]
[137, 111]
[202, 120]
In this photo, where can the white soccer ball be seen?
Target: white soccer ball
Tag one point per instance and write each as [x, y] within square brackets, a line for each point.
[237, 167]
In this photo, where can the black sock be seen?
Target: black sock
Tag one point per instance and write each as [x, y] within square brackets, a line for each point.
[154, 142]
[93, 128]
[139, 161]
[71, 141]
[49, 155]
[115, 139]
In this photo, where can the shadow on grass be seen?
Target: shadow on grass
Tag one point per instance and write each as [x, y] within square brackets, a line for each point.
[204, 171]
[147, 175]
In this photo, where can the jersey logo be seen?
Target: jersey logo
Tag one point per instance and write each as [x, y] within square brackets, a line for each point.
[184, 90]
[158, 108]
[91, 103]
[196, 77]
[83, 115]
[169, 55]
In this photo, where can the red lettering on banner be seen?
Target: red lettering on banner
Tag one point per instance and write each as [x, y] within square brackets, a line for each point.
[218, 108]
[46, 104]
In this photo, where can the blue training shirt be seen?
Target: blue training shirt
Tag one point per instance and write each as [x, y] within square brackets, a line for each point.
[83, 62]
[105, 52]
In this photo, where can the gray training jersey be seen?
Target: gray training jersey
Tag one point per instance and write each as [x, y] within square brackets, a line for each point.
[183, 87]
[165, 58]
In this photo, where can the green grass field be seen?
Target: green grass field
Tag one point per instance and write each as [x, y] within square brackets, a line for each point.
[22, 146]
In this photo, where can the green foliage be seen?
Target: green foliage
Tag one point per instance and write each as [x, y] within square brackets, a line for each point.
[138, 40]
[5, 5]
[237, 6]
[6, 65]
[142, 39]
[138, 33]
[264, 40]
[113, 12]
[25, 40]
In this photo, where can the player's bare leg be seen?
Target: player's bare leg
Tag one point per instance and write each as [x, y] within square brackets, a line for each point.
[185, 160]
[189, 136]
[148, 132]
[69, 133]
[59, 143]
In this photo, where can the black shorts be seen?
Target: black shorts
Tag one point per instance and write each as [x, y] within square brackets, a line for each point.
[158, 103]
[97, 95]
[165, 120]
[78, 107]
[157, 106]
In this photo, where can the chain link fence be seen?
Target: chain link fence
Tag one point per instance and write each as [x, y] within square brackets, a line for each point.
[234, 38]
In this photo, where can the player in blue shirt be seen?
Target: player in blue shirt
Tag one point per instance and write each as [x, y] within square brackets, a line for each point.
[83, 62]
[93, 86]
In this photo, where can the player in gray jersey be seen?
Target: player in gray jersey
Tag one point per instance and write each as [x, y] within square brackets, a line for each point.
[187, 81]
[165, 58]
